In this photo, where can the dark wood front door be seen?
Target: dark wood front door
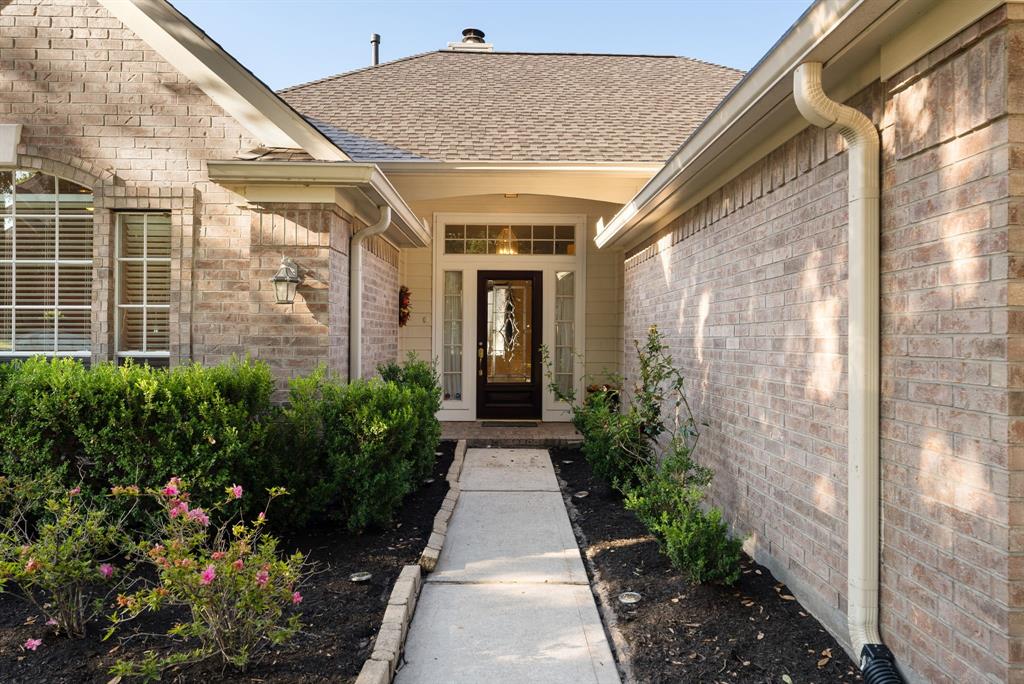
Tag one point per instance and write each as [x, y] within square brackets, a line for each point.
[508, 364]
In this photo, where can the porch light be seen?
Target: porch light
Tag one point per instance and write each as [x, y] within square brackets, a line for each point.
[286, 280]
[507, 243]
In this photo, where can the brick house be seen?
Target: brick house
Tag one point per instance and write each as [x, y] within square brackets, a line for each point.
[152, 187]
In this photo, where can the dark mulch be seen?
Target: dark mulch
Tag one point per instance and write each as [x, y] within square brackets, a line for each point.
[340, 617]
[752, 632]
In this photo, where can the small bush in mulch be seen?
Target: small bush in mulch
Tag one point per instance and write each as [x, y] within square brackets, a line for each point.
[754, 631]
[340, 618]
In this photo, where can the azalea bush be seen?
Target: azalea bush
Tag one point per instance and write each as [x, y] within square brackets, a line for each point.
[57, 550]
[240, 592]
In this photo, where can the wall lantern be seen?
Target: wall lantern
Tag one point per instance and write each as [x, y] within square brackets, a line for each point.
[286, 280]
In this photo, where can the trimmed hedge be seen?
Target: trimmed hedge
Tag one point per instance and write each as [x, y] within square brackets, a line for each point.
[133, 423]
[346, 452]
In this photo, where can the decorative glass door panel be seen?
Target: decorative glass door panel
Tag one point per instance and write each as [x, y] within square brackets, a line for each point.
[508, 344]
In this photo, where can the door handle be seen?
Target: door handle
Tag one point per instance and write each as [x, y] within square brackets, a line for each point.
[480, 360]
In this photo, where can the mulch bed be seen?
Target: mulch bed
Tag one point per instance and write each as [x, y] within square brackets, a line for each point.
[341, 618]
[755, 631]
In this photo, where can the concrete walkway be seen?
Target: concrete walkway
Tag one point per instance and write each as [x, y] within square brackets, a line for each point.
[509, 601]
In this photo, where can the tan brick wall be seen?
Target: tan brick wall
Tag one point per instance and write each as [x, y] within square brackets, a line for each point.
[750, 287]
[380, 304]
[100, 107]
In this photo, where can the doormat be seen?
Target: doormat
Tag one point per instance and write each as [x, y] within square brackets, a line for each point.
[503, 423]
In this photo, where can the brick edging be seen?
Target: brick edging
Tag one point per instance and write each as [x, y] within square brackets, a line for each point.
[380, 667]
[428, 559]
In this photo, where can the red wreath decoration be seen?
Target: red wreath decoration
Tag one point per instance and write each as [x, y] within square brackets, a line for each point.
[404, 302]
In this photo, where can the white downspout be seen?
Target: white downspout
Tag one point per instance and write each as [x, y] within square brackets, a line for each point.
[355, 291]
[863, 500]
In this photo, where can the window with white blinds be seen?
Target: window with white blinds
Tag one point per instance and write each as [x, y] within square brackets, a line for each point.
[143, 285]
[45, 265]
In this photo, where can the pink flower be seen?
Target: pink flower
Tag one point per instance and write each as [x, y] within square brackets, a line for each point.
[32, 644]
[75, 492]
[32, 565]
[217, 555]
[107, 570]
[180, 508]
[199, 516]
[236, 491]
[262, 517]
[238, 564]
[261, 577]
[208, 575]
[52, 623]
[296, 598]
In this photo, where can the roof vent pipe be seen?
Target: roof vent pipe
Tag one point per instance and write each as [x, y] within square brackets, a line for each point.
[472, 35]
[863, 499]
[375, 48]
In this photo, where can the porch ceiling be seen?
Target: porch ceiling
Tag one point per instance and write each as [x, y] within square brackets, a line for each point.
[615, 183]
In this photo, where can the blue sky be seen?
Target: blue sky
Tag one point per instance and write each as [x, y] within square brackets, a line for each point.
[294, 41]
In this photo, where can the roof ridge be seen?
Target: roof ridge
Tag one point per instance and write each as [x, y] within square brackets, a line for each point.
[503, 52]
[359, 70]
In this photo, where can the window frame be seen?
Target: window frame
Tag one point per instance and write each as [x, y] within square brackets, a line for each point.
[145, 306]
[13, 307]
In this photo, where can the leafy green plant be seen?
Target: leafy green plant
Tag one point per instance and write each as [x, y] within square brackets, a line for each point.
[668, 500]
[645, 453]
[421, 377]
[58, 550]
[132, 423]
[351, 452]
[239, 592]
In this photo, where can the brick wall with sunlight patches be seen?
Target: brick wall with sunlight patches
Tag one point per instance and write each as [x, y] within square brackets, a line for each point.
[750, 288]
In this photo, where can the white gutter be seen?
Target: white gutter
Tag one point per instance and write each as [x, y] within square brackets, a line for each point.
[252, 179]
[863, 501]
[355, 291]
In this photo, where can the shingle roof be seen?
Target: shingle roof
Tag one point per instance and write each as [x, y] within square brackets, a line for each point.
[477, 106]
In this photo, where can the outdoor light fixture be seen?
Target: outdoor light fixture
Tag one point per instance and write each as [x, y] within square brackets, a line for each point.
[286, 280]
[507, 243]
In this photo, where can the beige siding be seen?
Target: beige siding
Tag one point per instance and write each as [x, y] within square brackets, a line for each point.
[415, 273]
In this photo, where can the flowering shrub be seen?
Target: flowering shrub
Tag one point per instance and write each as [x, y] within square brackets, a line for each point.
[238, 590]
[57, 549]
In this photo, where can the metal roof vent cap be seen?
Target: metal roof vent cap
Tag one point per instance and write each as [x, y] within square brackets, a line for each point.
[472, 41]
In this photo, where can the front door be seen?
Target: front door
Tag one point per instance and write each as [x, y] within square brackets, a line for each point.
[508, 364]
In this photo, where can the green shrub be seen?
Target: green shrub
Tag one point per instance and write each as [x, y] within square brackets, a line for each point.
[133, 423]
[421, 377]
[351, 452]
[614, 443]
[699, 543]
[668, 501]
[664, 487]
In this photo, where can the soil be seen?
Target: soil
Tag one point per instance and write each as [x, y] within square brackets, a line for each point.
[754, 631]
[340, 617]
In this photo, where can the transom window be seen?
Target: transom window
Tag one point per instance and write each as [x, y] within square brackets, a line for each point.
[509, 240]
[143, 286]
[45, 265]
